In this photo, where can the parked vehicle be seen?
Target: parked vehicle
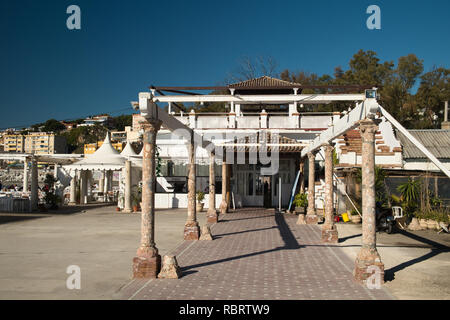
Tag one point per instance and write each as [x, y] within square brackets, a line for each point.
[385, 220]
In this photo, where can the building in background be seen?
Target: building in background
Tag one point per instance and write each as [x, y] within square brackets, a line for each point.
[13, 142]
[101, 119]
[128, 135]
[44, 143]
[90, 148]
[69, 125]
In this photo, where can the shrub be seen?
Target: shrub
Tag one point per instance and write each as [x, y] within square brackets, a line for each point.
[200, 196]
[301, 200]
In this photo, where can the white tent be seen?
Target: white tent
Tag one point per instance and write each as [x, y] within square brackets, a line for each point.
[105, 158]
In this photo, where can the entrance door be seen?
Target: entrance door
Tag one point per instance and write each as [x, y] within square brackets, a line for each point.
[250, 185]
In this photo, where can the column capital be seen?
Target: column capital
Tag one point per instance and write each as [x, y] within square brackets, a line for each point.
[150, 124]
[369, 125]
[328, 146]
[312, 154]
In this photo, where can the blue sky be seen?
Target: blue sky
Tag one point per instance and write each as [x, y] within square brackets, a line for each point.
[48, 71]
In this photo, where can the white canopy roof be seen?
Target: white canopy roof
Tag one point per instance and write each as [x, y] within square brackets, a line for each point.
[128, 151]
[105, 158]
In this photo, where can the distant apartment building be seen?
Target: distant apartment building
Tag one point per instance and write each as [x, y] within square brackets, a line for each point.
[128, 135]
[90, 148]
[69, 125]
[102, 119]
[13, 142]
[44, 143]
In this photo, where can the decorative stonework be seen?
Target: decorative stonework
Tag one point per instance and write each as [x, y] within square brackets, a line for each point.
[311, 215]
[206, 233]
[329, 231]
[368, 265]
[301, 219]
[147, 262]
[170, 268]
[191, 230]
[329, 234]
[368, 258]
[223, 205]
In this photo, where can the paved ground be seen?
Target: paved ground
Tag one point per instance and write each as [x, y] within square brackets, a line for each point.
[257, 254]
[35, 250]
[417, 264]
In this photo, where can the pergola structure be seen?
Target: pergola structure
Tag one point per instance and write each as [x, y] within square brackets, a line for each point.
[147, 261]
[32, 186]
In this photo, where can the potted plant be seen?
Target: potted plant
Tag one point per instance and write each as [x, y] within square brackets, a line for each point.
[355, 217]
[135, 200]
[300, 202]
[200, 198]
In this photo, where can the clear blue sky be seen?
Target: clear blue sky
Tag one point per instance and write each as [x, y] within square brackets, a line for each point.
[48, 71]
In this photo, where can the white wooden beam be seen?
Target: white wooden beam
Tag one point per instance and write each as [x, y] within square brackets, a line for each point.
[273, 98]
[416, 142]
[367, 108]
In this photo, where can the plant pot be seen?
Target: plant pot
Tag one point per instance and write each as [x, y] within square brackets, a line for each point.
[300, 210]
[117, 209]
[423, 223]
[135, 208]
[355, 218]
[200, 206]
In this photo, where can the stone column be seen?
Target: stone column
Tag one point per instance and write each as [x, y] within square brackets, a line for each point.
[56, 171]
[34, 197]
[223, 205]
[212, 213]
[191, 228]
[228, 193]
[127, 191]
[25, 175]
[311, 215]
[302, 175]
[83, 186]
[147, 262]
[329, 231]
[89, 177]
[101, 184]
[73, 191]
[368, 265]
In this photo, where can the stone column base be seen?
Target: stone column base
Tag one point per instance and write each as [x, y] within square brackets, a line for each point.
[191, 230]
[311, 218]
[170, 268]
[223, 207]
[329, 234]
[72, 204]
[301, 219]
[369, 269]
[127, 210]
[211, 216]
[146, 264]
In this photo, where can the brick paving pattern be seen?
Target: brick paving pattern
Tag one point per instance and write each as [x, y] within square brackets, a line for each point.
[257, 254]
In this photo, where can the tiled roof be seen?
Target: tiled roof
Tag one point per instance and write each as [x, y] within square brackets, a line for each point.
[436, 141]
[264, 81]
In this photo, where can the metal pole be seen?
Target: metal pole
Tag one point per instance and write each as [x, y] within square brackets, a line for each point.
[279, 193]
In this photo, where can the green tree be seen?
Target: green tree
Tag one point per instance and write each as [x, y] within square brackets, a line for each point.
[433, 91]
[122, 121]
[53, 125]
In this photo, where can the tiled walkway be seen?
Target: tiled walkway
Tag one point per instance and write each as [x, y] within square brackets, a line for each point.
[257, 254]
